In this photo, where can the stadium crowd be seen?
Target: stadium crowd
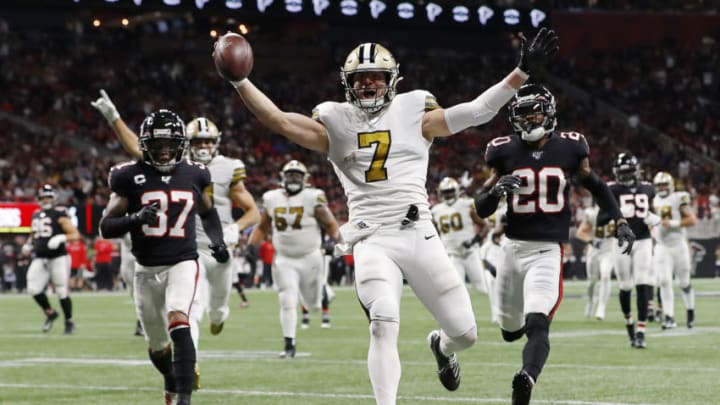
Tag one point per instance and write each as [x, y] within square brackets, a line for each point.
[52, 134]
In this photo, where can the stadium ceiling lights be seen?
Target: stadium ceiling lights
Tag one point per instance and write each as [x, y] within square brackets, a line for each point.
[429, 12]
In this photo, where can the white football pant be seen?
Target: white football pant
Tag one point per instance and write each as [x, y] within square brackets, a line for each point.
[674, 260]
[600, 263]
[160, 290]
[297, 278]
[42, 270]
[635, 268]
[528, 281]
[472, 267]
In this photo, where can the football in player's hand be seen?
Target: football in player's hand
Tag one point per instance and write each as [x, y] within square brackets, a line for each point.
[233, 57]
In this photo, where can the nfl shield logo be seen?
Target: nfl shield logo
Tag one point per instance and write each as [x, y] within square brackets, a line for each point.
[537, 154]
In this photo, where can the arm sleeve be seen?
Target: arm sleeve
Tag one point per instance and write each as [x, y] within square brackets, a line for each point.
[486, 204]
[116, 227]
[212, 226]
[603, 195]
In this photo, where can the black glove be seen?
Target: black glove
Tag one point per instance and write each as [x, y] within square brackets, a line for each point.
[534, 56]
[220, 253]
[468, 243]
[328, 247]
[625, 235]
[147, 214]
[596, 243]
[506, 184]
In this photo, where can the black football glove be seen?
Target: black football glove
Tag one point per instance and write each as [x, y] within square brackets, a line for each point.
[220, 253]
[535, 56]
[506, 184]
[596, 243]
[147, 214]
[624, 234]
[467, 244]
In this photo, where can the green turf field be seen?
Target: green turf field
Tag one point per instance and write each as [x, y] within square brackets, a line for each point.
[590, 362]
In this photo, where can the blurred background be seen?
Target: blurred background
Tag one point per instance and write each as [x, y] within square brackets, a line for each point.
[637, 76]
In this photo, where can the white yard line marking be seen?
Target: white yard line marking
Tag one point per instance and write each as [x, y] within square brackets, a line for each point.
[205, 391]
[266, 356]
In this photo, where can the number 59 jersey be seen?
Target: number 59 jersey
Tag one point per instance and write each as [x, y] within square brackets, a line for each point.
[296, 232]
[540, 209]
[171, 238]
[381, 159]
[635, 205]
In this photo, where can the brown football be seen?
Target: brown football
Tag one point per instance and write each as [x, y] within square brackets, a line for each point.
[233, 57]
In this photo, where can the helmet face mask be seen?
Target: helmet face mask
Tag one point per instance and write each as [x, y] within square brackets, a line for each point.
[162, 140]
[532, 112]
[449, 190]
[626, 169]
[46, 197]
[294, 176]
[664, 184]
[367, 66]
[204, 140]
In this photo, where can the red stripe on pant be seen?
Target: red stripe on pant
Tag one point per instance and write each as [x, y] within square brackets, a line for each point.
[560, 282]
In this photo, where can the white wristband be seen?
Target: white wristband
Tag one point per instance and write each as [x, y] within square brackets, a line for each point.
[238, 83]
[674, 223]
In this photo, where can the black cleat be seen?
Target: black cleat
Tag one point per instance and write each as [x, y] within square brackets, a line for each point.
[522, 385]
[631, 333]
[640, 341]
[69, 328]
[288, 353]
[690, 318]
[49, 319]
[448, 367]
[139, 329]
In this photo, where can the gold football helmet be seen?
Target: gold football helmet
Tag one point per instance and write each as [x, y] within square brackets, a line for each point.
[198, 129]
[664, 184]
[292, 183]
[370, 57]
[449, 189]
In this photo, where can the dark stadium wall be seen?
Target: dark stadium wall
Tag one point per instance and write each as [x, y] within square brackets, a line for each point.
[585, 32]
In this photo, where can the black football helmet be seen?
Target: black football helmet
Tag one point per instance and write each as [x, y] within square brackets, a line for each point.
[529, 100]
[626, 169]
[46, 191]
[162, 140]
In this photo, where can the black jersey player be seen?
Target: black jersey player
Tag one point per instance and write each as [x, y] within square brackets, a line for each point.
[533, 169]
[635, 199]
[156, 198]
[51, 228]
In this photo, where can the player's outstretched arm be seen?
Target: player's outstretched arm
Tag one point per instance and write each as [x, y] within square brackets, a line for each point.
[128, 138]
[297, 128]
[241, 198]
[532, 56]
[261, 231]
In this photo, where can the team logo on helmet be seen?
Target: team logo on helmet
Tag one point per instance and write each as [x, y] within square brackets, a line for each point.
[449, 189]
[199, 132]
[626, 169]
[530, 101]
[664, 184]
[43, 194]
[294, 176]
[162, 140]
[370, 57]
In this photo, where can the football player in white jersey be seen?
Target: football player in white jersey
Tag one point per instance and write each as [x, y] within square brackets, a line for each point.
[600, 259]
[454, 218]
[378, 144]
[672, 254]
[295, 215]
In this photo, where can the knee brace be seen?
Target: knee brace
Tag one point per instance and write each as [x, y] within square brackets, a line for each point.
[385, 309]
[513, 336]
